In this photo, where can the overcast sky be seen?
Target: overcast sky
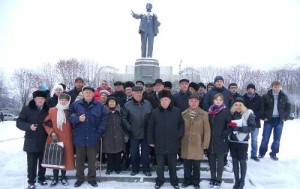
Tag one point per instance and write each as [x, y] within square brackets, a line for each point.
[260, 33]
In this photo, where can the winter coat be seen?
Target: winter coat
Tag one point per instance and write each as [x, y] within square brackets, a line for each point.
[284, 106]
[165, 130]
[219, 131]
[256, 105]
[74, 93]
[135, 118]
[88, 133]
[115, 137]
[52, 101]
[248, 125]
[209, 97]
[196, 135]
[152, 98]
[121, 97]
[34, 140]
[64, 135]
[181, 100]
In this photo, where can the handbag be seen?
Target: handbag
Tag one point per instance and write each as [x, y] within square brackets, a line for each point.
[54, 156]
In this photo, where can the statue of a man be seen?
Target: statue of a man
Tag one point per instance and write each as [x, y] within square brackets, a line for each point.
[148, 29]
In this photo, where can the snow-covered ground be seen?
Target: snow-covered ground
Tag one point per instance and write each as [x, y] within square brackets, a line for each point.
[266, 174]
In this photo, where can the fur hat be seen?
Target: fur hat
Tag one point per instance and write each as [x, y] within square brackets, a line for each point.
[251, 85]
[168, 84]
[128, 84]
[39, 94]
[217, 78]
[165, 93]
[64, 96]
[194, 85]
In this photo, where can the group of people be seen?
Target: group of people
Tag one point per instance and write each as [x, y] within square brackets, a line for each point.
[137, 123]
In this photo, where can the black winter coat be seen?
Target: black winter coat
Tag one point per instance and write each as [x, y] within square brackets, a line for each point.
[34, 140]
[219, 131]
[181, 100]
[256, 105]
[121, 97]
[114, 137]
[74, 93]
[135, 118]
[284, 106]
[165, 129]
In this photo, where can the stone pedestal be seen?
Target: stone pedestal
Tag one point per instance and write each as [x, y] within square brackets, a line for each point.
[146, 70]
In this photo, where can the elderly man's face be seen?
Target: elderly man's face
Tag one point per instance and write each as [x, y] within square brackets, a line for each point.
[184, 86]
[39, 101]
[193, 103]
[137, 95]
[104, 85]
[88, 95]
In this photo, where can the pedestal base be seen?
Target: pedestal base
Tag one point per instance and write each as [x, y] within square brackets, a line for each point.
[146, 70]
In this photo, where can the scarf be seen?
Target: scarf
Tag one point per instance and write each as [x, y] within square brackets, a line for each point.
[250, 96]
[61, 117]
[214, 109]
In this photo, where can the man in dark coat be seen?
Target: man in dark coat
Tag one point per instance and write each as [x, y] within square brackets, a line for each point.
[181, 101]
[135, 119]
[77, 89]
[31, 120]
[165, 130]
[119, 93]
[253, 101]
[233, 88]
[89, 119]
[218, 88]
[276, 110]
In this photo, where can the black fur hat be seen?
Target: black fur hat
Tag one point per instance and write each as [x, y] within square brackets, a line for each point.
[128, 84]
[39, 94]
[194, 85]
[165, 93]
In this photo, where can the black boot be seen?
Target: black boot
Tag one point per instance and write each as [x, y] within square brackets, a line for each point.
[63, 178]
[235, 165]
[55, 178]
[243, 164]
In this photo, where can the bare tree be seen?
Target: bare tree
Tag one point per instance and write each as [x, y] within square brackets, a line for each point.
[48, 75]
[26, 81]
[69, 70]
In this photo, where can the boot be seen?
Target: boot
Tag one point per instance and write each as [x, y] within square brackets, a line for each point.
[55, 178]
[243, 164]
[236, 169]
[63, 178]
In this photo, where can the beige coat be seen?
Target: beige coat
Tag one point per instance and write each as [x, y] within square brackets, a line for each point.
[196, 135]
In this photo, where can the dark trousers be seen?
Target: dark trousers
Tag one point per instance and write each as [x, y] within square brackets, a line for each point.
[160, 159]
[191, 171]
[81, 154]
[34, 160]
[135, 155]
[114, 162]
[216, 163]
[55, 174]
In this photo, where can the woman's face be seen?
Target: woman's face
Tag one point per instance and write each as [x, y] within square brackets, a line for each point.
[111, 103]
[238, 106]
[218, 101]
[63, 101]
[58, 91]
